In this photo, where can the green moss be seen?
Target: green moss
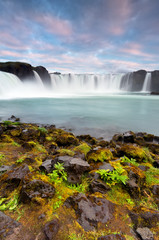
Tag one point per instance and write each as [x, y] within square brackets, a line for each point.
[136, 152]
[16, 132]
[119, 196]
[82, 148]
[43, 130]
[101, 155]
[66, 139]
[152, 176]
[65, 151]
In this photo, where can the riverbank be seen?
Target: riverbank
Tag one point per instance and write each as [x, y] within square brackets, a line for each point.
[55, 185]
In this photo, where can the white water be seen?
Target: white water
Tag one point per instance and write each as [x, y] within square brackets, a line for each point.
[73, 84]
[147, 83]
[69, 85]
[38, 79]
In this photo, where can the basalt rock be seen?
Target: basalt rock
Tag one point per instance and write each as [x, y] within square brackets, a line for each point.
[98, 186]
[17, 174]
[90, 210]
[145, 233]
[51, 229]
[7, 226]
[74, 167]
[25, 71]
[36, 189]
[154, 82]
[112, 237]
[22, 70]
[44, 75]
[141, 218]
[46, 166]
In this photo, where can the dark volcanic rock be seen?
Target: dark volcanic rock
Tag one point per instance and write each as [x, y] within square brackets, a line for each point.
[133, 81]
[112, 237]
[46, 166]
[143, 219]
[22, 70]
[97, 186]
[51, 229]
[36, 188]
[145, 233]
[44, 75]
[17, 174]
[4, 169]
[74, 167]
[155, 82]
[90, 211]
[7, 225]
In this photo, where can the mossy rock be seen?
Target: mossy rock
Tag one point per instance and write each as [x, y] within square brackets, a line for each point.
[102, 154]
[65, 151]
[16, 132]
[82, 148]
[66, 139]
[136, 152]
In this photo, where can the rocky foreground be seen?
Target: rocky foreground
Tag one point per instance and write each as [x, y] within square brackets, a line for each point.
[54, 185]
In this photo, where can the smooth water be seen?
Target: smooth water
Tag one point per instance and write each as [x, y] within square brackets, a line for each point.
[100, 116]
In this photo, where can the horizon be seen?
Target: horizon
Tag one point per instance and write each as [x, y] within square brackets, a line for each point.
[86, 36]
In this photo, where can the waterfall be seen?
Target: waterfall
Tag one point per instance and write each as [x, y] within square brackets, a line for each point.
[86, 83]
[147, 83]
[8, 82]
[38, 78]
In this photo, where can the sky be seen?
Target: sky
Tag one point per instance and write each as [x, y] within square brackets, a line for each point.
[81, 36]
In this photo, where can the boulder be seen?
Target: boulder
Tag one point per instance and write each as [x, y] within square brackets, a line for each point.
[4, 169]
[112, 237]
[90, 210]
[46, 166]
[98, 186]
[7, 226]
[36, 189]
[142, 219]
[16, 175]
[51, 229]
[145, 233]
[74, 167]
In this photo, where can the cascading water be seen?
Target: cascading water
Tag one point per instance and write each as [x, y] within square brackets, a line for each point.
[86, 83]
[8, 82]
[70, 85]
[147, 83]
[37, 78]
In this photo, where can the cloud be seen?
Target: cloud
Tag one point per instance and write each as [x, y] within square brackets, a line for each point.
[54, 25]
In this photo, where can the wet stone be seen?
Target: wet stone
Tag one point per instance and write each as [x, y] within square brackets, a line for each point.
[36, 188]
[7, 225]
[145, 233]
[112, 237]
[90, 210]
[51, 229]
[46, 166]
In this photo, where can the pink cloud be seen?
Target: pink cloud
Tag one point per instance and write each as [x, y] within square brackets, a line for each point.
[55, 25]
[135, 49]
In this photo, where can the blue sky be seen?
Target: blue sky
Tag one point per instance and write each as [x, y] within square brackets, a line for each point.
[81, 36]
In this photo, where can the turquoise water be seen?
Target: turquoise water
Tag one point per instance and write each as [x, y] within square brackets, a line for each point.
[101, 116]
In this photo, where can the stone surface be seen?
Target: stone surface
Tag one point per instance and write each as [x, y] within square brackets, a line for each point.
[35, 189]
[143, 219]
[51, 229]
[46, 166]
[145, 233]
[97, 186]
[106, 166]
[7, 225]
[4, 169]
[90, 210]
[74, 167]
[112, 237]
[17, 174]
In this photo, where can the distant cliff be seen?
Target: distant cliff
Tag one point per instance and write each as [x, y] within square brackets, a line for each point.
[25, 71]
